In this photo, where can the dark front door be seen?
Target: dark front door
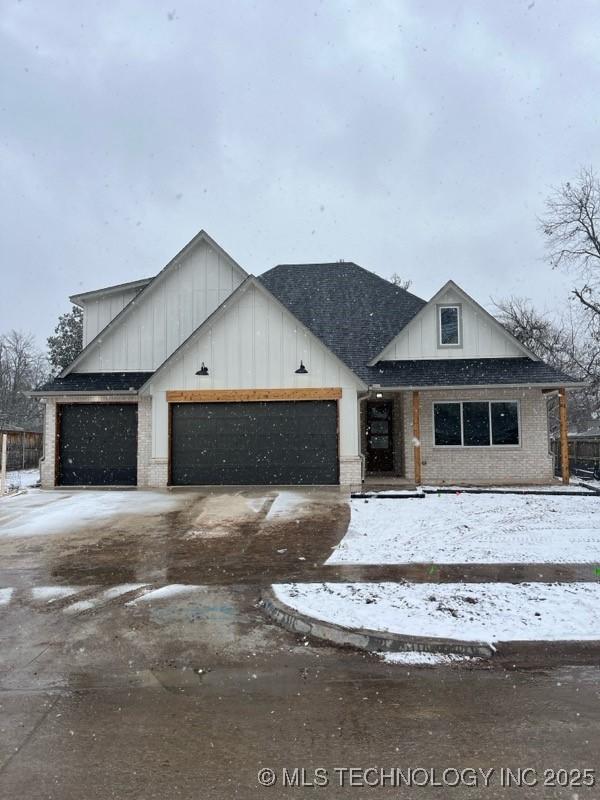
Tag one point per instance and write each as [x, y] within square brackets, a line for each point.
[380, 442]
[254, 443]
[97, 444]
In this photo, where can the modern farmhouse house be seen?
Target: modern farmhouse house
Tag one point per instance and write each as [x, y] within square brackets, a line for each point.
[308, 374]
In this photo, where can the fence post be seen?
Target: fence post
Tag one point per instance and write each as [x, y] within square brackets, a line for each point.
[3, 466]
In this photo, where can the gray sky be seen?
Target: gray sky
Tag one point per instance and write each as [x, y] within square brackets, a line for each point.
[408, 136]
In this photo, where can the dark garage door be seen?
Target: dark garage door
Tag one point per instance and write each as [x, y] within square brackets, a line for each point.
[97, 444]
[254, 443]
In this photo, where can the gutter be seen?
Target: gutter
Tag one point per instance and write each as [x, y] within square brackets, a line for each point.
[68, 393]
[374, 387]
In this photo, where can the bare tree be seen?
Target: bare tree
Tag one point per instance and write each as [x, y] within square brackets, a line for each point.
[571, 226]
[402, 283]
[22, 367]
[563, 342]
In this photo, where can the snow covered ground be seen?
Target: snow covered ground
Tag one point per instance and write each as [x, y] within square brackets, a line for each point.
[415, 658]
[37, 512]
[23, 478]
[472, 528]
[485, 612]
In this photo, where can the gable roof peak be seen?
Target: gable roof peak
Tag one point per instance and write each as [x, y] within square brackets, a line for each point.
[202, 235]
[466, 298]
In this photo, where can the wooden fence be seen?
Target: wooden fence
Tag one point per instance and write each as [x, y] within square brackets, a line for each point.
[584, 456]
[24, 449]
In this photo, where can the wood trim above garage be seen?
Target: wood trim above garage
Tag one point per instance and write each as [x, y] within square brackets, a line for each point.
[250, 395]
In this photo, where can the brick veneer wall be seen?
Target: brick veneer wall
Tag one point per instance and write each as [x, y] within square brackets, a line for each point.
[529, 463]
[351, 471]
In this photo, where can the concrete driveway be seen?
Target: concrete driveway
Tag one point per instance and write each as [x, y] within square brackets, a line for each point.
[113, 537]
[113, 686]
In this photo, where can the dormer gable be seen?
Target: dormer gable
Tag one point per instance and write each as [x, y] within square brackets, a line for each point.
[452, 325]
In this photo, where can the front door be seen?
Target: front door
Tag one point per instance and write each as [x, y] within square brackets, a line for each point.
[380, 442]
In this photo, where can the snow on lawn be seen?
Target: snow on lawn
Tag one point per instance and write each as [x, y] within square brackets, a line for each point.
[38, 512]
[472, 528]
[484, 612]
[572, 488]
[23, 478]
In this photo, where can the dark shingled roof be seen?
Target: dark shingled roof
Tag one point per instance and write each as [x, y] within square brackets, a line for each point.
[354, 312]
[463, 372]
[96, 382]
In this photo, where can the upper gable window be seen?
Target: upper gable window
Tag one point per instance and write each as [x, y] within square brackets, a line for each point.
[449, 326]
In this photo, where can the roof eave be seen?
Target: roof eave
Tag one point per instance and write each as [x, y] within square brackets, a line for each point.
[70, 392]
[83, 297]
[438, 387]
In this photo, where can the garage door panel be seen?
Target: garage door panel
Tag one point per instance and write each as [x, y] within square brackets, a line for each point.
[97, 444]
[254, 443]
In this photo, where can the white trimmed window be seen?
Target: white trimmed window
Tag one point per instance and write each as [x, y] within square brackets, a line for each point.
[487, 423]
[449, 323]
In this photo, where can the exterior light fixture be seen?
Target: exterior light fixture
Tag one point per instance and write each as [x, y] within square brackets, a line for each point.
[301, 369]
[379, 395]
[203, 370]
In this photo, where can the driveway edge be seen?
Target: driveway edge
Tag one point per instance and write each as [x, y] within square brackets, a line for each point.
[363, 638]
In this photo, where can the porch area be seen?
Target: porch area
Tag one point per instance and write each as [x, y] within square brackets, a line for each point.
[467, 437]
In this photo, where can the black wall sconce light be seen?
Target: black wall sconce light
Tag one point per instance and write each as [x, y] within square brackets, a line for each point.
[203, 370]
[301, 369]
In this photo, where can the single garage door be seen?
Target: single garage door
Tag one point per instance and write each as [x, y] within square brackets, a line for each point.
[97, 444]
[254, 443]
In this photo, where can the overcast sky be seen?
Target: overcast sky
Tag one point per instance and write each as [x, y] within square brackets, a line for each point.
[412, 137]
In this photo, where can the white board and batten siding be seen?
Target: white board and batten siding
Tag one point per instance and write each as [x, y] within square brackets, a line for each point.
[98, 312]
[255, 344]
[166, 313]
[481, 337]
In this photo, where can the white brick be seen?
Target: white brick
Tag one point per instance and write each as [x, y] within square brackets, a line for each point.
[528, 463]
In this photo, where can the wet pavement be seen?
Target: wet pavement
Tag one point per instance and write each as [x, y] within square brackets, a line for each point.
[231, 537]
[115, 692]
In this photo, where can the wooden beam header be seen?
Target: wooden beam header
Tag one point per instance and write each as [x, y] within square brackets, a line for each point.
[250, 395]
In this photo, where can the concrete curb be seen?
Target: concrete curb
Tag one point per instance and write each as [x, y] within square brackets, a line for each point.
[387, 496]
[590, 492]
[361, 638]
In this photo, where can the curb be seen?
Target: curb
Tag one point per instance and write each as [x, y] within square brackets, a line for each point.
[362, 638]
[590, 492]
[386, 496]
[575, 651]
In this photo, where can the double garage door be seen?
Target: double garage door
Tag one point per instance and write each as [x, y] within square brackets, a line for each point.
[254, 443]
[210, 443]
